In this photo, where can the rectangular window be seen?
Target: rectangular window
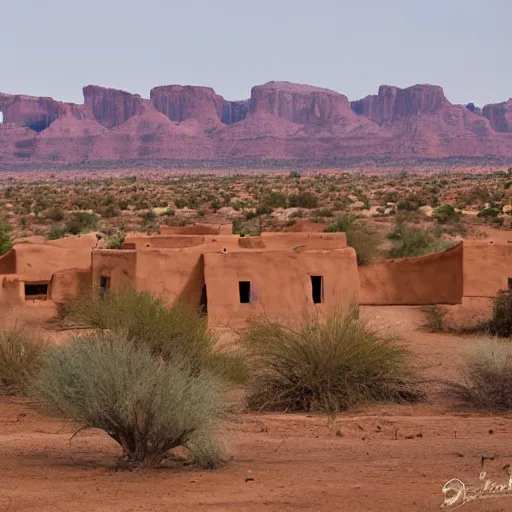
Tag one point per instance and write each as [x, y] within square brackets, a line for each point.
[317, 289]
[104, 284]
[36, 291]
[244, 288]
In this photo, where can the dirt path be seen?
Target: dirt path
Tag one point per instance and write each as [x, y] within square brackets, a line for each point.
[378, 459]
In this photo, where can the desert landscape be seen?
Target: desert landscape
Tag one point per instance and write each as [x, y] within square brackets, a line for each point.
[431, 251]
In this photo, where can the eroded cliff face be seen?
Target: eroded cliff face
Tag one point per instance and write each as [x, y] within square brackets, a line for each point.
[281, 120]
[110, 107]
[500, 116]
[300, 104]
[393, 103]
[180, 103]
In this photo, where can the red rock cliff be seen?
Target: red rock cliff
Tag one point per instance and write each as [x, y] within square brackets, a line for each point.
[499, 115]
[180, 103]
[301, 104]
[392, 103]
[110, 107]
[33, 112]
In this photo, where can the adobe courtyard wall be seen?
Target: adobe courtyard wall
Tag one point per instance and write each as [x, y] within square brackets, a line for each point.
[280, 283]
[432, 279]
[119, 266]
[8, 262]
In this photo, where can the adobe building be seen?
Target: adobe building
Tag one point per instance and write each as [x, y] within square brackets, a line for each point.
[233, 278]
[230, 277]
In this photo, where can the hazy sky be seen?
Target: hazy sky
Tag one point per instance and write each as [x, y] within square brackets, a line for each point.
[55, 47]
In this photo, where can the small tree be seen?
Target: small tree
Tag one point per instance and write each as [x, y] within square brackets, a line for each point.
[501, 320]
[147, 405]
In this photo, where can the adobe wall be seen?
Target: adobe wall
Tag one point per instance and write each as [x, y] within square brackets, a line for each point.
[309, 241]
[432, 279]
[487, 267]
[118, 265]
[198, 229]
[67, 285]
[174, 275]
[11, 290]
[8, 262]
[280, 283]
[39, 261]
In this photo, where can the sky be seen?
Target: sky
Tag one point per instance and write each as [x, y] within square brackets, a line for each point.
[55, 47]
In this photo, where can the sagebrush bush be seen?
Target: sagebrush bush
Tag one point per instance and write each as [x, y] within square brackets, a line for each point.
[20, 357]
[501, 320]
[326, 365]
[486, 377]
[364, 241]
[170, 332]
[147, 405]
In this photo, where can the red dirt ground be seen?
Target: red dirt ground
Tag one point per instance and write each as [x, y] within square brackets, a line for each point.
[378, 459]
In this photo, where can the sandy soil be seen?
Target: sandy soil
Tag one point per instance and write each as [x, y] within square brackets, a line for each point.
[379, 459]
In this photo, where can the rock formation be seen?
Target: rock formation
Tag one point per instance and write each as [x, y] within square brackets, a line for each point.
[280, 120]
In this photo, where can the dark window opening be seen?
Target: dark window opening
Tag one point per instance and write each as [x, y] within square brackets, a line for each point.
[203, 301]
[244, 287]
[104, 284]
[36, 291]
[510, 284]
[317, 288]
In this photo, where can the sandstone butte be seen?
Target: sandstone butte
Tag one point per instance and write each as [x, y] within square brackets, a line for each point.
[280, 121]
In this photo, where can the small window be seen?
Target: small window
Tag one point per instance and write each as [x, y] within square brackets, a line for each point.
[104, 284]
[36, 291]
[317, 288]
[510, 284]
[244, 287]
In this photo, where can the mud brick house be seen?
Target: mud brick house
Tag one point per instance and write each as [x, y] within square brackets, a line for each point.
[232, 278]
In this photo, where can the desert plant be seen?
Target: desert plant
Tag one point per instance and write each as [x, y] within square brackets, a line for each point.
[435, 319]
[486, 377]
[501, 320]
[56, 232]
[445, 213]
[6, 239]
[147, 405]
[170, 332]
[360, 237]
[20, 357]
[326, 365]
[81, 222]
[410, 242]
[303, 200]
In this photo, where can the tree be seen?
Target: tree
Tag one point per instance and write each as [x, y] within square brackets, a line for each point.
[6, 239]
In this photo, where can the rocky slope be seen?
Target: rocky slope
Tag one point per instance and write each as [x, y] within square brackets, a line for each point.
[280, 121]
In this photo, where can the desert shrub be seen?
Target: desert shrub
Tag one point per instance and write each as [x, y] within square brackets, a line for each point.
[170, 332]
[56, 232]
[326, 365]
[81, 222]
[489, 212]
[275, 200]
[115, 241]
[445, 213]
[365, 242]
[147, 405]
[411, 242]
[303, 200]
[435, 319]
[501, 319]
[6, 239]
[20, 357]
[486, 377]
[54, 214]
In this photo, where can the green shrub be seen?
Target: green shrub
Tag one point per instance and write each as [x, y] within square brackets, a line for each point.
[410, 242]
[489, 212]
[445, 213]
[54, 214]
[303, 200]
[275, 200]
[56, 232]
[147, 405]
[20, 357]
[486, 377]
[6, 239]
[115, 241]
[169, 332]
[435, 319]
[501, 320]
[365, 242]
[325, 365]
[81, 222]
